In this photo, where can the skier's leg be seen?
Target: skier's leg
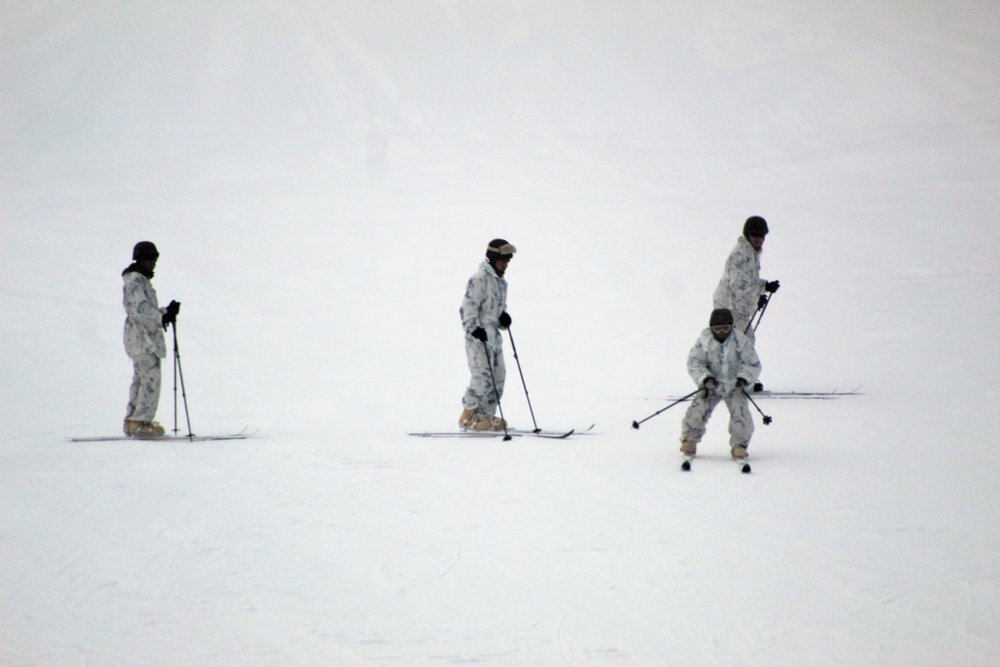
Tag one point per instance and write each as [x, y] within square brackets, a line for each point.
[479, 375]
[147, 393]
[499, 370]
[696, 417]
[740, 420]
[741, 323]
[133, 391]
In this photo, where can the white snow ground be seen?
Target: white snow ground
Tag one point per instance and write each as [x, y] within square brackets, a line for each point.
[321, 179]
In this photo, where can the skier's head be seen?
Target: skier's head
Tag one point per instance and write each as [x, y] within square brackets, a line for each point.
[499, 253]
[144, 250]
[755, 229]
[721, 323]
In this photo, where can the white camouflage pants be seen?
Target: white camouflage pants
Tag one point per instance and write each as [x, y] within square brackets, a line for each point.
[480, 394]
[144, 394]
[742, 325]
[698, 413]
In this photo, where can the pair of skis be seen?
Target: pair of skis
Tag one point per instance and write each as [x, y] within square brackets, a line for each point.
[242, 435]
[513, 433]
[743, 464]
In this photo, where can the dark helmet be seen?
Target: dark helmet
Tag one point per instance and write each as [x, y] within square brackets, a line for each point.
[755, 226]
[720, 316]
[499, 249]
[144, 250]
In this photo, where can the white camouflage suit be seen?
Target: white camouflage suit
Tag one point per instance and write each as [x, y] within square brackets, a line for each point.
[741, 286]
[726, 362]
[485, 298]
[144, 343]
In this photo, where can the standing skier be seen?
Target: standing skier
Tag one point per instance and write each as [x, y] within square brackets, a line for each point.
[145, 323]
[723, 362]
[484, 313]
[741, 289]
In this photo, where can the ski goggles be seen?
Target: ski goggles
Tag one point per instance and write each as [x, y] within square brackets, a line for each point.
[505, 249]
[721, 328]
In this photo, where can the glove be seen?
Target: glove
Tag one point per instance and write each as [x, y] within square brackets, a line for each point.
[740, 383]
[772, 286]
[504, 320]
[174, 308]
[710, 384]
[761, 302]
[479, 333]
[168, 319]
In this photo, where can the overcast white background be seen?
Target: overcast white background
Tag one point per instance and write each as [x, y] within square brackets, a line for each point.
[321, 179]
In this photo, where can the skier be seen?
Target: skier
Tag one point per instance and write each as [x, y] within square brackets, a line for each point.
[723, 362]
[484, 314]
[741, 289]
[145, 323]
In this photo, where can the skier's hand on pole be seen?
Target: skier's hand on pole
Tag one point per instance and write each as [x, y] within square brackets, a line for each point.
[772, 286]
[504, 320]
[479, 333]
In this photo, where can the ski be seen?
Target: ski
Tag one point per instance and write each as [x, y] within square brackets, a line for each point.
[516, 433]
[816, 395]
[242, 435]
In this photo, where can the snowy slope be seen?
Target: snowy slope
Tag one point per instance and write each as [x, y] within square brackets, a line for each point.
[321, 179]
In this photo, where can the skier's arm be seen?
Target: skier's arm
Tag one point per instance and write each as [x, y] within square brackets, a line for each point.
[475, 294]
[697, 364]
[746, 287]
[750, 365]
[139, 308]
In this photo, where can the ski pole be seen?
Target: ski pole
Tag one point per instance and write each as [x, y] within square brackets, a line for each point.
[635, 424]
[496, 392]
[521, 373]
[759, 314]
[767, 419]
[180, 372]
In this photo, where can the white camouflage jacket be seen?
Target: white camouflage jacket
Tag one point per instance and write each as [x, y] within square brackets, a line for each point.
[485, 298]
[726, 361]
[143, 317]
[741, 284]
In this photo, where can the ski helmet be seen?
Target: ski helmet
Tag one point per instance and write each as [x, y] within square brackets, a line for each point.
[499, 249]
[755, 226]
[720, 316]
[144, 250]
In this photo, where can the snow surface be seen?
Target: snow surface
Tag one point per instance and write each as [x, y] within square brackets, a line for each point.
[322, 177]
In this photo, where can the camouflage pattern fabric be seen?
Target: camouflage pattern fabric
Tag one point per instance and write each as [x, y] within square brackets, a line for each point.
[698, 413]
[143, 317]
[144, 394]
[732, 359]
[480, 395]
[485, 298]
[144, 343]
[741, 285]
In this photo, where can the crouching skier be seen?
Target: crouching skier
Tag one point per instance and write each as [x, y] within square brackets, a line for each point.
[723, 362]
[484, 314]
[145, 323]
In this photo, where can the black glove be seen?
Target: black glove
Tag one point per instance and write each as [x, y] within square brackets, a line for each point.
[168, 319]
[761, 302]
[479, 333]
[504, 320]
[710, 384]
[772, 286]
[740, 383]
